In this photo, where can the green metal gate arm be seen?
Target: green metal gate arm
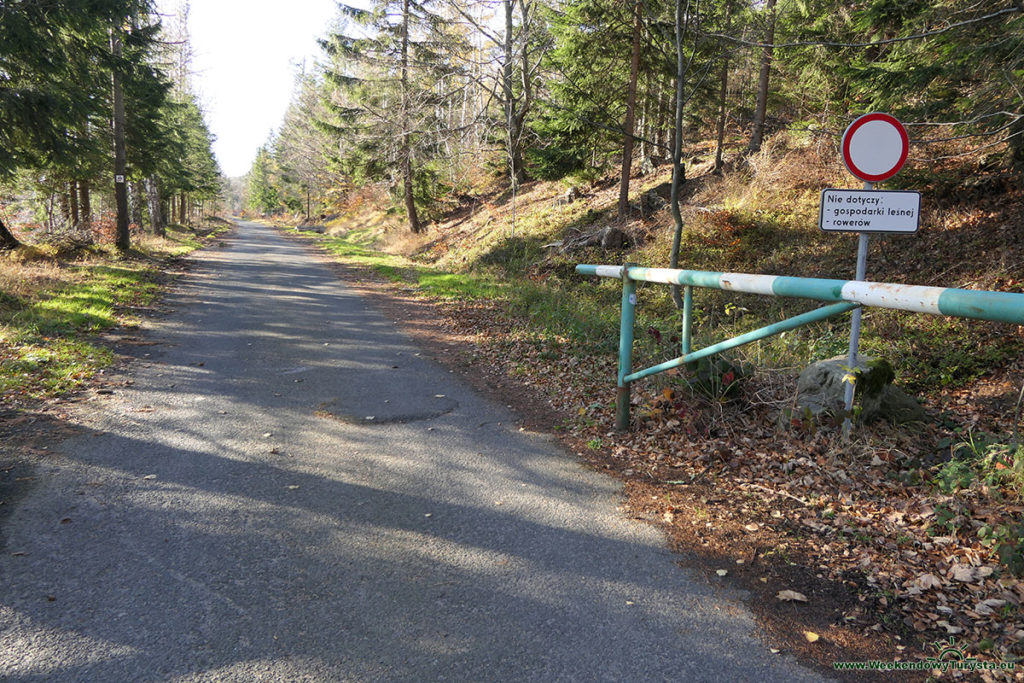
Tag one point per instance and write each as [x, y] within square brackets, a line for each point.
[814, 316]
[1004, 307]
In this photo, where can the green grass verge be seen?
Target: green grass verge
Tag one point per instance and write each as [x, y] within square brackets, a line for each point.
[47, 331]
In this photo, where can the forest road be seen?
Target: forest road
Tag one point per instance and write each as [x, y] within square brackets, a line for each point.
[288, 491]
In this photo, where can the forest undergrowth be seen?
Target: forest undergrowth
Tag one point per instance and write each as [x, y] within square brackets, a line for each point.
[886, 545]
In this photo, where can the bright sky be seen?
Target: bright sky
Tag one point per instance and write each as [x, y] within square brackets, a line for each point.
[247, 53]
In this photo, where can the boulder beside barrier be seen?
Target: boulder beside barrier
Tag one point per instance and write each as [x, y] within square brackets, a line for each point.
[821, 387]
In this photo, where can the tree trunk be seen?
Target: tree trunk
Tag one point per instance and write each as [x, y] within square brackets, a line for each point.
[49, 213]
[73, 197]
[65, 204]
[723, 91]
[406, 151]
[182, 207]
[516, 109]
[123, 239]
[645, 147]
[7, 240]
[506, 82]
[673, 131]
[85, 205]
[678, 171]
[630, 123]
[654, 117]
[760, 109]
[156, 210]
[137, 202]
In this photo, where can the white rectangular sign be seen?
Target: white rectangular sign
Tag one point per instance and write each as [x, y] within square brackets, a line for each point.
[870, 211]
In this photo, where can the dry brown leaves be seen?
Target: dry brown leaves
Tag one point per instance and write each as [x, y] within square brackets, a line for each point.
[852, 513]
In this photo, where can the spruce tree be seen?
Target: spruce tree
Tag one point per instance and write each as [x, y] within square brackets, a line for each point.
[388, 91]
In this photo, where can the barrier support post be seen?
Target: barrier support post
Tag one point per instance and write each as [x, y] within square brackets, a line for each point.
[687, 335]
[626, 323]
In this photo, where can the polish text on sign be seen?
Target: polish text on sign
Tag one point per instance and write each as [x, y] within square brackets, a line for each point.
[870, 211]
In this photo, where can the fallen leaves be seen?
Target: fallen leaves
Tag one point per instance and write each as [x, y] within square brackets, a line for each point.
[962, 573]
[791, 596]
[987, 608]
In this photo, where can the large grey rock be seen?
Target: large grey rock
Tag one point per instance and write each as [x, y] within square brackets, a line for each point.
[821, 389]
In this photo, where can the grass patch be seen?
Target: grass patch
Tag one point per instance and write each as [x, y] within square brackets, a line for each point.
[459, 285]
[49, 367]
[557, 310]
[97, 302]
[51, 309]
[392, 273]
[356, 246]
[582, 314]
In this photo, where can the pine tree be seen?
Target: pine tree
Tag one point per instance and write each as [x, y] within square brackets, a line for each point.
[387, 92]
[301, 147]
[45, 99]
[263, 195]
[68, 64]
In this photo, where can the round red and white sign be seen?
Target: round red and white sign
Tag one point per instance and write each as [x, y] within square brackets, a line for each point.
[875, 147]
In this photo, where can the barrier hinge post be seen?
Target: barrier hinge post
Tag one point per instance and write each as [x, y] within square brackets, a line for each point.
[625, 348]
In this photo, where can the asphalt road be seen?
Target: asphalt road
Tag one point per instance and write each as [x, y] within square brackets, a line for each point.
[289, 491]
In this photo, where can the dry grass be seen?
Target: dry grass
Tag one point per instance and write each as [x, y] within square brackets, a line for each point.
[404, 242]
[23, 278]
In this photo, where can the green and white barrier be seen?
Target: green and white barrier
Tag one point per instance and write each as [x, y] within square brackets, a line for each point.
[846, 295]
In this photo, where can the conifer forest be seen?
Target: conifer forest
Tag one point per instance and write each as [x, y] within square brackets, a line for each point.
[99, 128]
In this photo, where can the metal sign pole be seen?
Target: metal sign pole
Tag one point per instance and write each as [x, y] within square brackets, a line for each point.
[862, 271]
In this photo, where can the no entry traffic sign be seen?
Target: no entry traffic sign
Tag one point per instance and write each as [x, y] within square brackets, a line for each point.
[875, 147]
